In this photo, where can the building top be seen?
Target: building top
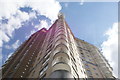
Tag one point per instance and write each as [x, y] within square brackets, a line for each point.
[61, 15]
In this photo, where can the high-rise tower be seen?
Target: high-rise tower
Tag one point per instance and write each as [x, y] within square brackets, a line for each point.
[56, 53]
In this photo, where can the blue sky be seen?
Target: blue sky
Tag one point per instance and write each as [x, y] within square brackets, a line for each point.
[88, 21]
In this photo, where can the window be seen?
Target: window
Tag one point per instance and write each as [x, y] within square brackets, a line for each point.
[84, 72]
[30, 45]
[17, 65]
[46, 61]
[41, 72]
[75, 71]
[90, 76]
[47, 55]
[49, 46]
[43, 76]
[88, 55]
[44, 69]
[33, 73]
[82, 53]
[86, 66]
[74, 59]
[94, 68]
[75, 78]
[48, 50]
[50, 41]
[89, 72]
[97, 74]
[23, 72]
[71, 53]
[26, 65]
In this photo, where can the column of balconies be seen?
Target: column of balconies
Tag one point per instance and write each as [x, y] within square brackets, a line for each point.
[61, 53]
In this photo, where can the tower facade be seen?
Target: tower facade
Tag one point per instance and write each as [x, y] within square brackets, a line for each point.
[56, 53]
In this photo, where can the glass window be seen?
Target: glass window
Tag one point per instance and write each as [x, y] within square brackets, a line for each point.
[89, 72]
[41, 72]
[82, 53]
[43, 76]
[88, 55]
[90, 76]
[86, 66]
[47, 55]
[46, 60]
[94, 68]
[97, 74]
[44, 69]
[75, 78]
[75, 71]
[17, 65]
[49, 46]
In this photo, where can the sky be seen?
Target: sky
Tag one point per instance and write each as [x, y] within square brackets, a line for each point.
[94, 22]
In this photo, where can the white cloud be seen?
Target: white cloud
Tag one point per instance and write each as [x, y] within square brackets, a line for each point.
[9, 9]
[7, 46]
[4, 38]
[49, 8]
[88, 0]
[32, 15]
[14, 46]
[31, 32]
[82, 1]
[43, 23]
[9, 55]
[0, 55]
[110, 47]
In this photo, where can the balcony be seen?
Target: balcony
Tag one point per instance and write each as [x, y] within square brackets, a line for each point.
[61, 66]
[62, 54]
[61, 36]
[108, 74]
[60, 58]
[61, 33]
[61, 48]
[104, 68]
[99, 59]
[60, 29]
[102, 64]
[61, 41]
